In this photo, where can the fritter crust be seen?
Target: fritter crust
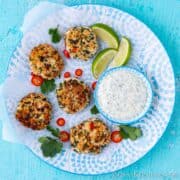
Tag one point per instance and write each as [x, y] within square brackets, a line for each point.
[90, 136]
[34, 111]
[81, 42]
[45, 61]
[73, 95]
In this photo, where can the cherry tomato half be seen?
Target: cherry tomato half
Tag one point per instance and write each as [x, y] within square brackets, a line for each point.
[78, 72]
[116, 137]
[36, 80]
[67, 74]
[66, 53]
[64, 136]
[94, 85]
[60, 121]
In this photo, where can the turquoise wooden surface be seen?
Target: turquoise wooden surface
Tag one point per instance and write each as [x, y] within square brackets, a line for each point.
[163, 161]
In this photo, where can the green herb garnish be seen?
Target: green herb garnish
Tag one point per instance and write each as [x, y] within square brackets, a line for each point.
[49, 146]
[48, 86]
[94, 110]
[132, 133]
[55, 35]
[54, 131]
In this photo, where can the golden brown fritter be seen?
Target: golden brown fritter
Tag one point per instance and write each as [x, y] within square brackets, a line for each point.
[34, 111]
[73, 95]
[81, 42]
[45, 61]
[89, 136]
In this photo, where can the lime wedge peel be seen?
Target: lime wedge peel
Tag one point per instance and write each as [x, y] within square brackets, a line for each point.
[106, 34]
[123, 54]
[102, 61]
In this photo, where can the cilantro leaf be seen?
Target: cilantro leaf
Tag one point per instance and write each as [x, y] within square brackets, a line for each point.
[94, 110]
[48, 86]
[42, 139]
[55, 36]
[123, 134]
[54, 131]
[51, 31]
[49, 146]
[130, 132]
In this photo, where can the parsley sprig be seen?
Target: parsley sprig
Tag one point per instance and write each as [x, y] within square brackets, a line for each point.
[51, 146]
[94, 110]
[55, 35]
[54, 131]
[48, 86]
[130, 132]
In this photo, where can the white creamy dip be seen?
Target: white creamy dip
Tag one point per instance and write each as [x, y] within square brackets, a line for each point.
[122, 94]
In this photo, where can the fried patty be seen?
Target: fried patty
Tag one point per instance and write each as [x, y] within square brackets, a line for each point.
[81, 42]
[89, 136]
[73, 95]
[45, 61]
[34, 111]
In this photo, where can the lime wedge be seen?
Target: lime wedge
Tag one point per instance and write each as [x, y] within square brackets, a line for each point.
[107, 34]
[102, 60]
[123, 54]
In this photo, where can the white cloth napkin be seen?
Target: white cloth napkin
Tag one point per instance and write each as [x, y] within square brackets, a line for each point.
[36, 14]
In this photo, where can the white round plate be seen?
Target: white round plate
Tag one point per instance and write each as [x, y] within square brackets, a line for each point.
[148, 56]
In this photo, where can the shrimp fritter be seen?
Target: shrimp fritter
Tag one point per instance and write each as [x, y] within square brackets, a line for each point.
[73, 95]
[81, 42]
[45, 61]
[34, 111]
[90, 136]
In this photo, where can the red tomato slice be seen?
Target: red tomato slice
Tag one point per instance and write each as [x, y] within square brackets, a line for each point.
[67, 74]
[94, 85]
[66, 53]
[60, 122]
[64, 136]
[116, 137]
[37, 80]
[78, 72]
